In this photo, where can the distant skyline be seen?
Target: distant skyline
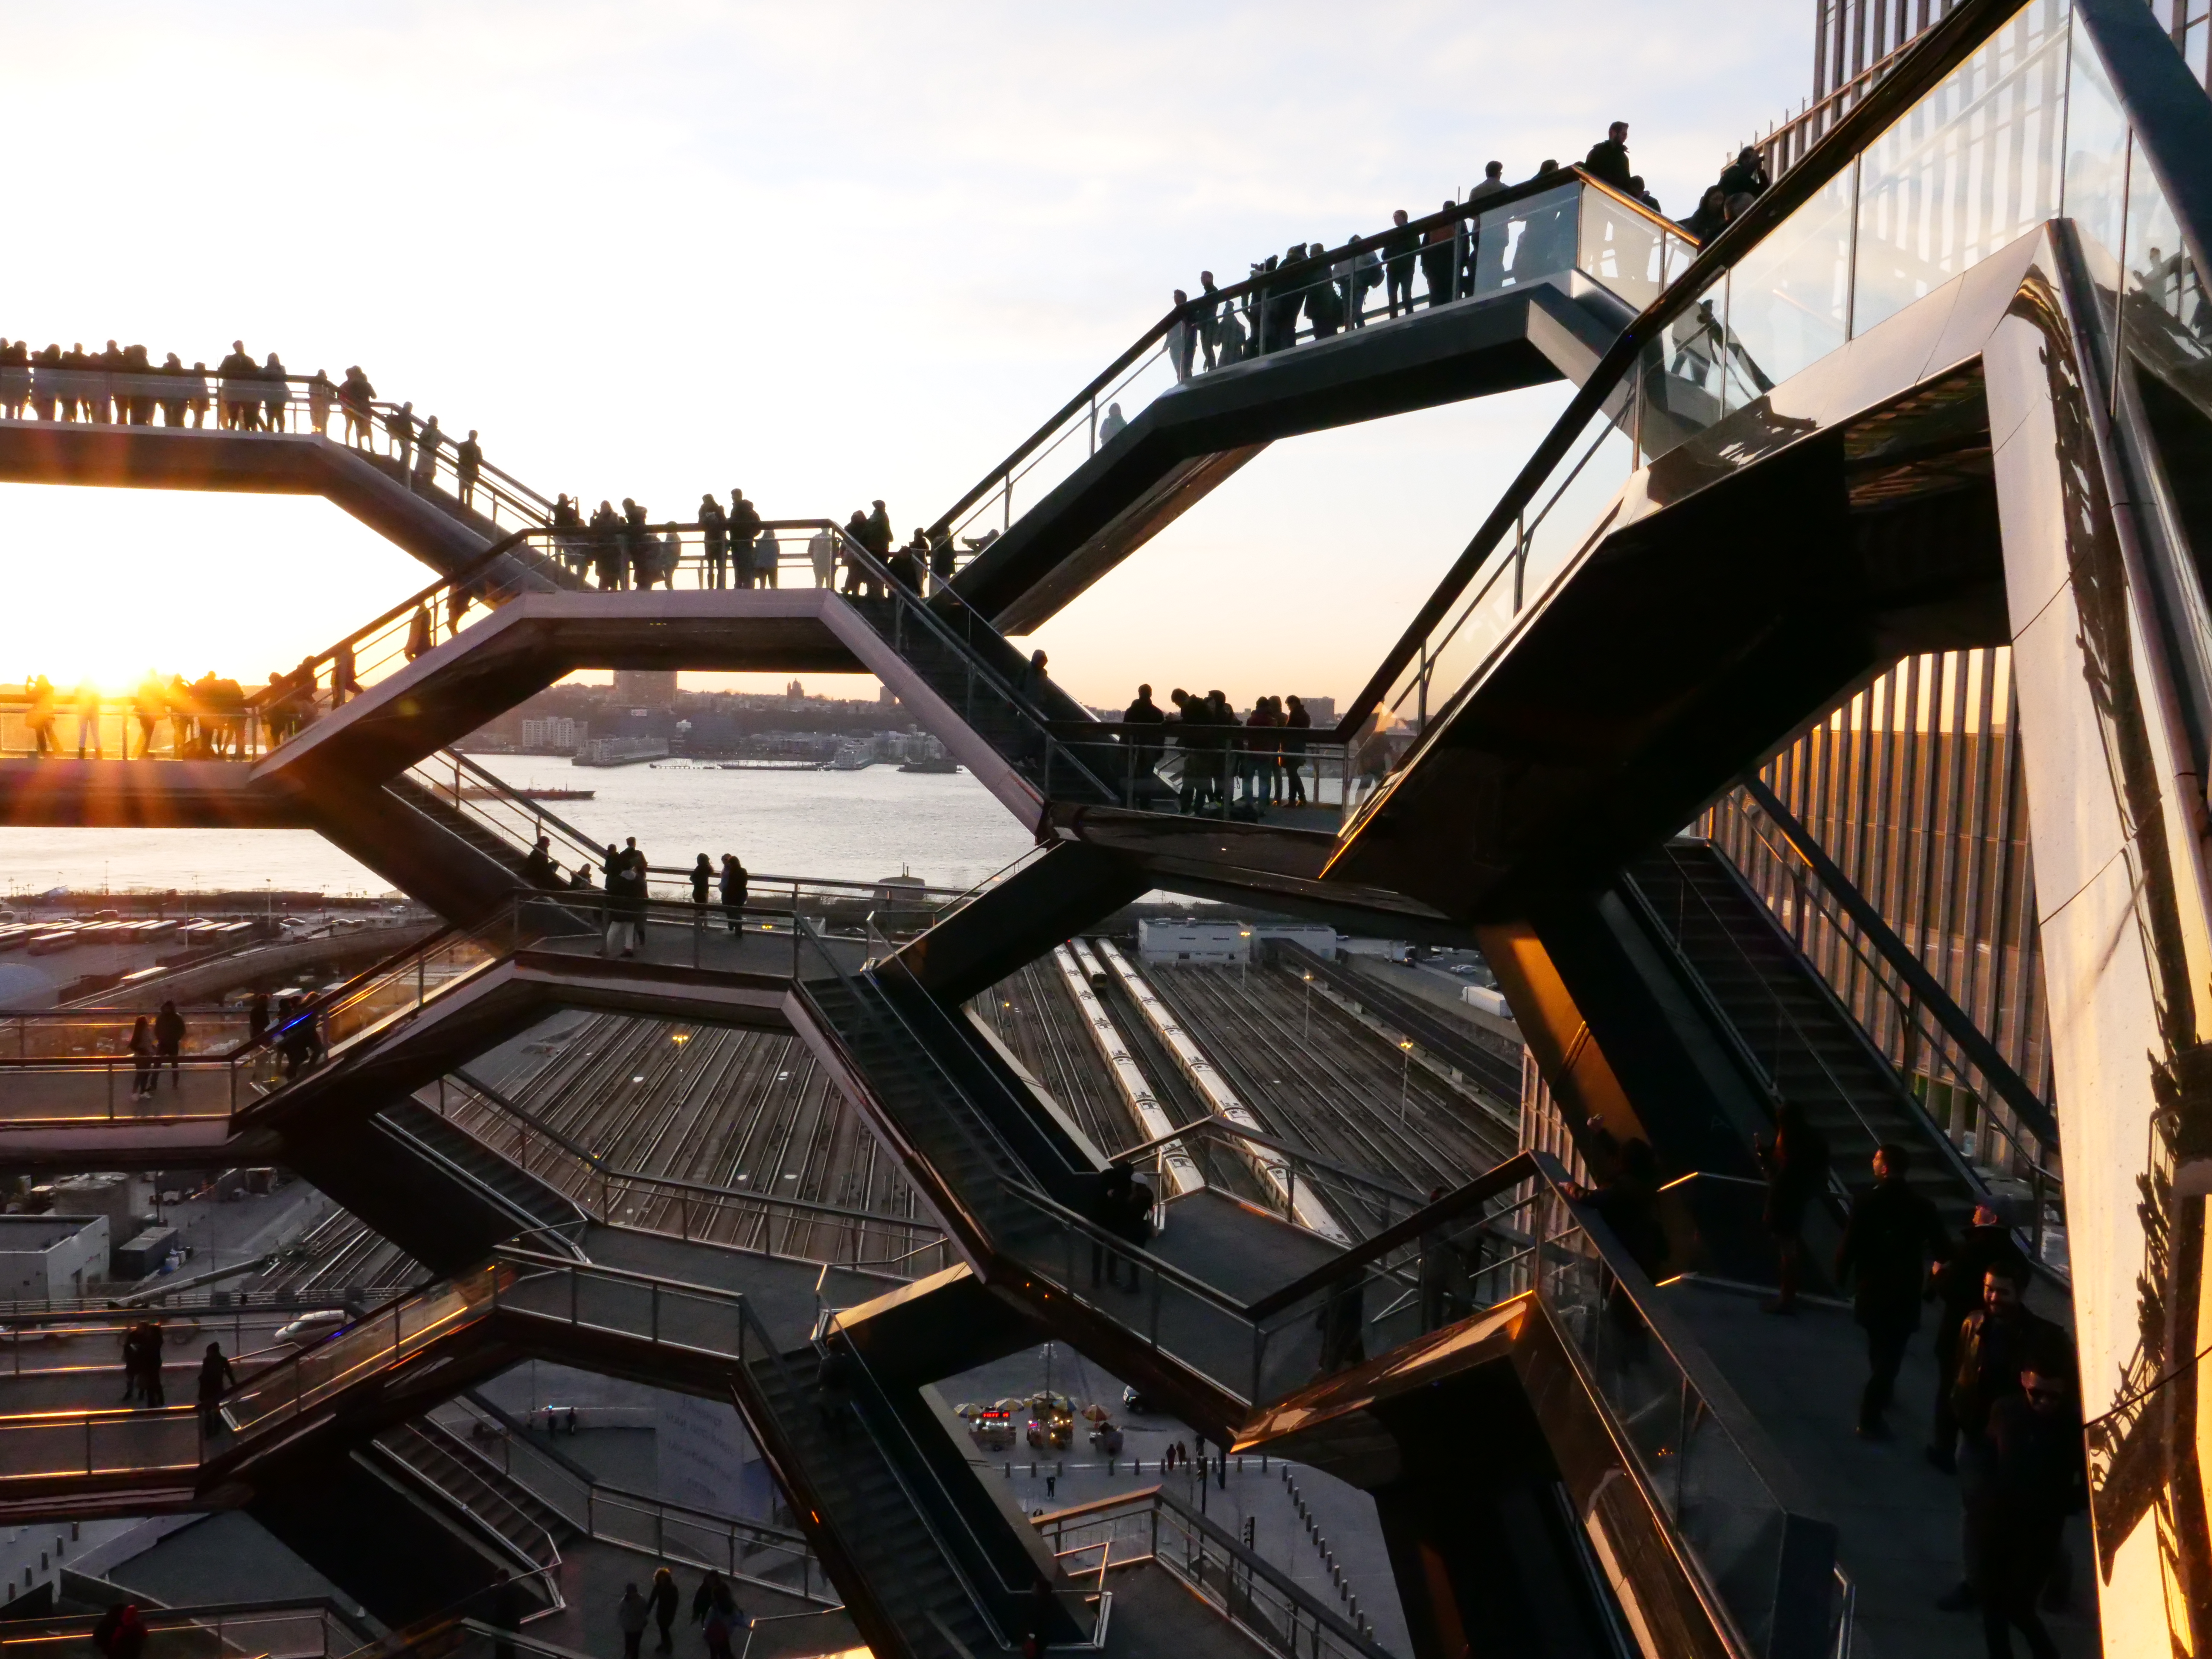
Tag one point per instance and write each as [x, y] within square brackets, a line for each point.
[826, 254]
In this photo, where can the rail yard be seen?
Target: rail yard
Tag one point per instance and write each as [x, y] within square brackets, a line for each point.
[687, 1129]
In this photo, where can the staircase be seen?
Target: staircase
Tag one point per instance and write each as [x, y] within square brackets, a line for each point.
[539, 1210]
[978, 1130]
[1793, 1029]
[530, 1531]
[451, 818]
[834, 1461]
[981, 675]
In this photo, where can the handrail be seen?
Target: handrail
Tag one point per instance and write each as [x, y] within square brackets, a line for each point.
[1956, 1023]
[1293, 274]
[1254, 1565]
[1212, 1125]
[1516, 1170]
[461, 578]
[1920, 67]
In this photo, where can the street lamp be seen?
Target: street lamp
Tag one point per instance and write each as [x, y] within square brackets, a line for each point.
[1404, 1075]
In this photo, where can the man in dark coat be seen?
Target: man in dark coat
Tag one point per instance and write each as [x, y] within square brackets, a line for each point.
[2033, 1477]
[1959, 1279]
[1892, 1236]
[1145, 749]
[1608, 159]
[1796, 1165]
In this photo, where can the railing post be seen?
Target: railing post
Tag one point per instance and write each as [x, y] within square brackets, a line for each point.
[654, 1304]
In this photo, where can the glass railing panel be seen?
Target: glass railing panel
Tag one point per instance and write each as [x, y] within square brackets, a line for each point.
[1529, 241]
[35, 1037]
[1625, 249]
[381, 1338]
[1702, 1478]
[2168, 317]
[2096, 194]
[1076, 440]
[1574, 515]
[1680, 374]
[50, 1444]
[1789, 297]
[1974, 165]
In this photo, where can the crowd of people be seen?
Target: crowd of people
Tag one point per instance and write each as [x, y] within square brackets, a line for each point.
[1453, 260]
[211, 718]
[2005, 1417]
[1226, 762]
[715, 1609]
[122, 386]
[627, 876]
[142, 1372]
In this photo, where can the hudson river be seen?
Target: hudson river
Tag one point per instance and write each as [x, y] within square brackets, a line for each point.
[853, 825]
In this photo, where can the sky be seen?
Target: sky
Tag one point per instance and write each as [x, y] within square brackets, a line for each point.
[825, 253]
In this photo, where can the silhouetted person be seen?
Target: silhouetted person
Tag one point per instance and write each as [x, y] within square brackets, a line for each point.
[399, 433]
[1210, 303]
[1440, 258]
[713, 542]
[1961, 1279]
[734, 879]
[1297, 724]
[141, 1058]
[468, 466]
[426, 463]
[878, 540]
[169, 1042]
[702, 881]
[539, 868]
[664, 1599]
[1146, 747]
[1892, 1234]
[355, 395]
[275, 395]
[216, 1379]
[256, 1016]
[1796, 1162]
[38, 717]
[1183, 338]
[2032, 1476]
[631, 1614]
[745, 530]
[1607, 160]
[1400, 245]
[1711, 217]
[120, 1633]
[321, 395]
[420, 628]
[1745, 178]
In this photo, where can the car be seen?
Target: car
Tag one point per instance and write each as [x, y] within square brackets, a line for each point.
[310, 1329]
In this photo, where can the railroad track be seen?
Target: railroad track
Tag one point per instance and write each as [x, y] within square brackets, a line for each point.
[1321, 1079]
[1032, 1014]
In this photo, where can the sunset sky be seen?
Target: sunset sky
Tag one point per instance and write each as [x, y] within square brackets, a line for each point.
[825, 253]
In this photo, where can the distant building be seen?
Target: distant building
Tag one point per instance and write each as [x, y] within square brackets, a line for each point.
[1324, 710]
[556, 734]
[1224, 943]
[51, 1258]
[654, 687]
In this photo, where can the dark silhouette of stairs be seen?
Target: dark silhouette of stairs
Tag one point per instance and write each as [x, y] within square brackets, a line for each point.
[1792, 1026]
